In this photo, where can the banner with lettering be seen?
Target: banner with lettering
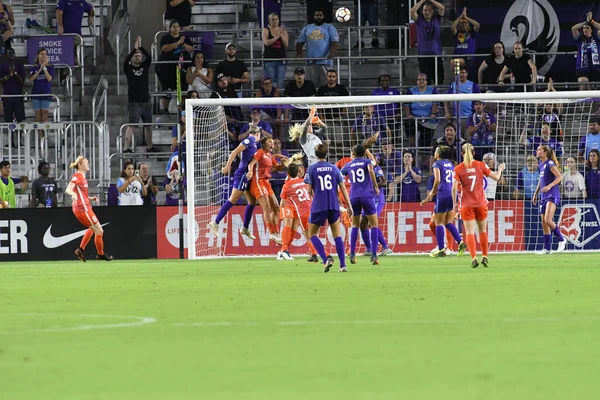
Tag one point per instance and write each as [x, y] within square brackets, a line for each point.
[60, 49]
[405, 227]
[202, 41]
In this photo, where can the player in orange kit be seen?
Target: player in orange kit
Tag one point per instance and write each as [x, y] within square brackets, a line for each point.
[470, 175]
[78, 190]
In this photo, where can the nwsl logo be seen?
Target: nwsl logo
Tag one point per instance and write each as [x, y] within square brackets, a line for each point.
[579, 224]
[535, 24]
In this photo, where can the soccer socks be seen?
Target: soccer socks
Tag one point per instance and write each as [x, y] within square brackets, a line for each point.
[450, 242]
[452, 229]
[472, 244]
[311, 248]
[353, 240]
[432, 226]
[99, 242]
[339, 247]
[381, 239]
[319, 247]
[557, 233]
[287, 236]
[439, 235]
[548, 242]
[483, 242]
[247, 214]
[366, 237]
[86, 238]
[223, 211]
[374, 241]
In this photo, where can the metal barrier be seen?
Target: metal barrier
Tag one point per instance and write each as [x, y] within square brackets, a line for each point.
[90, 139]
[102, 90]
[119, 141]
[118, 41]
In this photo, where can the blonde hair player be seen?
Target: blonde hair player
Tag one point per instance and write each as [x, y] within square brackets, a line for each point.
[307, 136]
[78, 190]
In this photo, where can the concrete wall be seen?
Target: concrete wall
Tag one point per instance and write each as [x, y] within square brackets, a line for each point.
[146, 19]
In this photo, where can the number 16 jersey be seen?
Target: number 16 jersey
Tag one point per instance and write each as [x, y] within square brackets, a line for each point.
[324, 178]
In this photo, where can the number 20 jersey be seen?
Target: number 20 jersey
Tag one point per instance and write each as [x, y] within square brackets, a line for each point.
[324, 178]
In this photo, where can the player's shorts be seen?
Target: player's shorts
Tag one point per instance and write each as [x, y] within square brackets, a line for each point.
[474, 213]
[287, 212]
[364, 206]
[260, 188]
[304, 221]
[443, 204]
[240, 182]
[87, 218]
[345, 219]
[546, 201]
[320, 217]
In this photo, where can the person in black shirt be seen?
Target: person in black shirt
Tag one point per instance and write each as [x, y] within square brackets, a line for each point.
[150, 183]
[43, 190]
[233, 114]
[299, 87]
[137, 70]
[335, 117]
[449, 139]
[180, 11]
[490, 68]
[522, 67]
[235, 70]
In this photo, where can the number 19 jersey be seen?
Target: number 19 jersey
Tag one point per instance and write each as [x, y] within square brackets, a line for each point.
[324, 178]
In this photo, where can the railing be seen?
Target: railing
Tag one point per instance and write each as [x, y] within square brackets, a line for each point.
[90, 139]
[118, 39]
[98, 104]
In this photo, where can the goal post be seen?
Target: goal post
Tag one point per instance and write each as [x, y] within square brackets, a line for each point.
[213, 126]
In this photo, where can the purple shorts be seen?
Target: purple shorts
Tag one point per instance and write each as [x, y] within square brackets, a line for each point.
[546, 201]
[363, 205]
[240, 182]
[443, 204]
[320, 217]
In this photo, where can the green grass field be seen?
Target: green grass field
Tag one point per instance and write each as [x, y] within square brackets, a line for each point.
[412, 328]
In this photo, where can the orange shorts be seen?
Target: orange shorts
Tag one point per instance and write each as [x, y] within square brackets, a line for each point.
[474, 213]
[86, 218]
[287, 212]
[260, 188]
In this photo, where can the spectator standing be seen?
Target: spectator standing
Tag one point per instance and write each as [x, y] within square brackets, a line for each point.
[173, 46]
[428, 38]
[464, 30]
[481, 129]
[322, 41]
[550, 113]
[334, 117]
[130, 186]
[43, 190]
[390, 161]
[590, 141]
[150, 183]
[7, 22]
[199, 77]
[592, 174]
[573, 182]
[390, 111]
[367, 125]
[233, 114]
[420, 116]
[369, 12]
[180, 11]
[522, 68]
[31, 12]
[588, 52]
[491, 67]
[464, 86]
[69, 14]
[449, 139]
[276, 40]
[234, 69]
[137, 70]
[174, 133]
[7, 186]
[12, 77]
[534, 142]
[527, 180]
[494, 190]
[271, 7]
[255, 125]
[299, 87]
[41, 75]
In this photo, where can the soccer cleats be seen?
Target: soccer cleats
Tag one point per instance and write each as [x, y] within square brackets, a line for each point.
[561, 246]
[386, 252]
[543, 252]
[313, 258]
[328, 265]
[284, 255]
[246, 232]
[79, 254]
[438, 253]
[462, 247]
[352, 258]
[475, 263]
[214, 227]
[485, 262]
[276, 238]
[104, 257]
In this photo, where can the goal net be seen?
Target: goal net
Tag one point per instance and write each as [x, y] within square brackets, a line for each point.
[404, 151]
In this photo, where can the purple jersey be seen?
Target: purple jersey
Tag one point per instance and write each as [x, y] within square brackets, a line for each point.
[536, 141]
[247, 153]
[324, 178]
[380, 174]
[592, 183]
[360, 179]
[446, 168]
[546, 178]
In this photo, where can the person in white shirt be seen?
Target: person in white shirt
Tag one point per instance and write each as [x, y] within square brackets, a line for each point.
[130, 186]
[573, 182]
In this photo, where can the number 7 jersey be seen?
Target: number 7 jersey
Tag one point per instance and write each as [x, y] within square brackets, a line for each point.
[324, 178]
[472, 179]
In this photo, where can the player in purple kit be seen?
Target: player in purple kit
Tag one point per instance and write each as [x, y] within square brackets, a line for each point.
[247, 148]
[324, 179]
[363, 189]
[443, 172]
[548, 186]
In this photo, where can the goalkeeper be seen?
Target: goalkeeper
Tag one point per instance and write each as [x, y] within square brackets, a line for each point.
[309, 137]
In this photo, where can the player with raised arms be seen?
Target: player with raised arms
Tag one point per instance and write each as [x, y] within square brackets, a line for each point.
[363, 190]
[443, 172]
[323, 179]
[307, 136]
[259, 173]
[247, 149]
[78, 190]
[470, 175]
[548, 186]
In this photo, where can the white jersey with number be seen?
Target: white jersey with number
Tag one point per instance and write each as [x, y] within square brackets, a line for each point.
[132, 196]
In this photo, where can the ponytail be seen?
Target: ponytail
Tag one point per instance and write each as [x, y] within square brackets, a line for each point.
[468, 150]
[550, 154]
[75, 164]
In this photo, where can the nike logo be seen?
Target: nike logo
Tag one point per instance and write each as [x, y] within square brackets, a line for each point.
[52, 242]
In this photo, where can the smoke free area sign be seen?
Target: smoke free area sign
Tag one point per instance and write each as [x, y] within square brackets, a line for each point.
[60, 49]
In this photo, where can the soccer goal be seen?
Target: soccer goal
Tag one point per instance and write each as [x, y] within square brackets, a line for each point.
[404, 149]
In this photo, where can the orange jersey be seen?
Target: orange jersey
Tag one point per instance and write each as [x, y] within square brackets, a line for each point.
[472, 180]
[266, 161]
[295, 194]
[340, 164]
[82, 204]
